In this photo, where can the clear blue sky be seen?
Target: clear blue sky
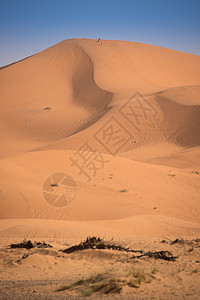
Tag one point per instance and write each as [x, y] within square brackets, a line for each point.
[29, 26]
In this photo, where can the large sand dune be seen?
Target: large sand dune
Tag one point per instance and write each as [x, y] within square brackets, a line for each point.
[83, 84]
[70, 95]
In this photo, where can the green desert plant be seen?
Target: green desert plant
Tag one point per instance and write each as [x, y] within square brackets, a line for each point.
[102, 283]
[139, 276]
[108, 282]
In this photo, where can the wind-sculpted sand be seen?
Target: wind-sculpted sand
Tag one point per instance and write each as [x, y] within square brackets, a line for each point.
[100, 139]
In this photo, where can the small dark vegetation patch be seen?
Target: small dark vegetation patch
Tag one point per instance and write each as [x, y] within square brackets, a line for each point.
[194, 242]
[123, 191]
[97, 243]
[25, 244]
[165, 255]
[29, 245]
[54, 185]
[196, 172]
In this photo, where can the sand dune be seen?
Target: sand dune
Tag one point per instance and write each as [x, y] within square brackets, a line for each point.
[55, 101]
[61, 105]
[177, 195]
[80, 80]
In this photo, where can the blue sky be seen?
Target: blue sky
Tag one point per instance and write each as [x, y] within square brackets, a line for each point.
[29, 26]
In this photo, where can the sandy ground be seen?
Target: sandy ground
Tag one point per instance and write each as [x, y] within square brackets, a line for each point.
[100, 138]
[38, 273]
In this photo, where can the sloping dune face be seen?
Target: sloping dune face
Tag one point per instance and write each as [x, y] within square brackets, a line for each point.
[59, 79]
[180, 123]
[137, 105]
